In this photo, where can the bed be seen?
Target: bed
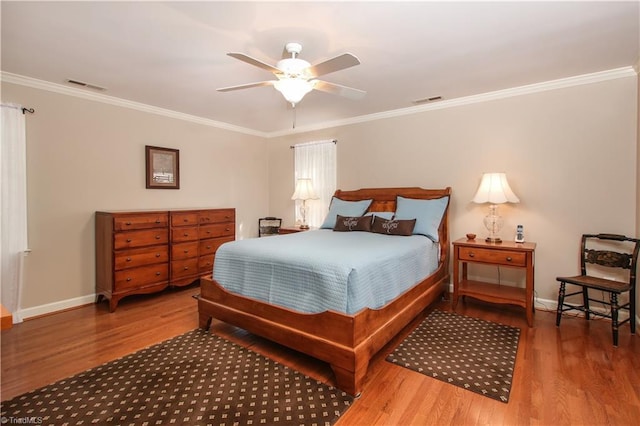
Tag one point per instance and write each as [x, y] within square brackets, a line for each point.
[348, 336]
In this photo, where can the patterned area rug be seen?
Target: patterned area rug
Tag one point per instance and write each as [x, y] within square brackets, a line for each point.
[467, 352]
[193, 379]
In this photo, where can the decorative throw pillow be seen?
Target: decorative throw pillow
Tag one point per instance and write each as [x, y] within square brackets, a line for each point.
[428, 214]
[393, 227]
[351, 223]
[344, 208]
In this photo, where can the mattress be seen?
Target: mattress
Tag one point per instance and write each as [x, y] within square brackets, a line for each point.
[321, 270]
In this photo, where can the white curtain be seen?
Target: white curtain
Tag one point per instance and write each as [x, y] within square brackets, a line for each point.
[316, 161]
[13, 207]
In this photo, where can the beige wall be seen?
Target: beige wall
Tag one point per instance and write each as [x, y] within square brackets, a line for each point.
[84, 156]
[570, 155]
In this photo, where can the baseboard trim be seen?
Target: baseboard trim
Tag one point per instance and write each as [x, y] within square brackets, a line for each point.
[52, 308]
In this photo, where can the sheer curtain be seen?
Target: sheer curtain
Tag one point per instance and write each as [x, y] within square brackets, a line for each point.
[13, 206]
[316, 161]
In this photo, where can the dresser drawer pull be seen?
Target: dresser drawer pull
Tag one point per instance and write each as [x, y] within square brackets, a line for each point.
[509, 258]
[186, 251]
[128, 259]
[157, 220]
[186, 220]
[157, 254]
[186, 267]
[208, 232]
[157, 237]
[157, 274]
[128, 223]
[472, 254]
[208, 247]
[128, 240]
[228, 229]
[128, 279]
[185, 234]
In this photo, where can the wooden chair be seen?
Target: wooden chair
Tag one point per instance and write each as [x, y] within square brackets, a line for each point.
[608, 261]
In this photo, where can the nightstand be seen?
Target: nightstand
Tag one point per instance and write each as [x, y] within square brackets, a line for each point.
[506, 253]
[290, 230]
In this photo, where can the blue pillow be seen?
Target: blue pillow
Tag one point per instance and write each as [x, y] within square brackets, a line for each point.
[344, 208]
[384, 215]
[428, 214]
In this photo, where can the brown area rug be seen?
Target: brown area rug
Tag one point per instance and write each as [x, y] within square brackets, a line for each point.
[467, 352]
[193, 379]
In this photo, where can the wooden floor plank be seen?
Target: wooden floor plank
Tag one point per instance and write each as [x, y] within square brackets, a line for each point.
[571, 375]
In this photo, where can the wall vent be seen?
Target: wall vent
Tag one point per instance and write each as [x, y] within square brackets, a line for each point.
[425, 100]
[86, 85]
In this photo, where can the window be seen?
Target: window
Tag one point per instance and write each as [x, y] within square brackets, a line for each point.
[316, 161]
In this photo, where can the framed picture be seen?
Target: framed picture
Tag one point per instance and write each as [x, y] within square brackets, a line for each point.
[163, 167]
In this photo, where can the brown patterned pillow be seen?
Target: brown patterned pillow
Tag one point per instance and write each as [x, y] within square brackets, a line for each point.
[348, 223]
[393, 226]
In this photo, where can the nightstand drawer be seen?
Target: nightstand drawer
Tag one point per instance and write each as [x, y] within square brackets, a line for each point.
[496, 257]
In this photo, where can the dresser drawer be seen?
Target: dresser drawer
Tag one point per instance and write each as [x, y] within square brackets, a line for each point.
[218, 230]
[185, 233]
[184, 218]
[141, 257]
[183, 268]
[210, 246]
[493, 256]
[141, 221]
[205, 264]
[133, 239]
[184, 250]
[217, 216]
[138, 277]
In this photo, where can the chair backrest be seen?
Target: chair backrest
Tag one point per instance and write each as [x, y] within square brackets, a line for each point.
[625, 258]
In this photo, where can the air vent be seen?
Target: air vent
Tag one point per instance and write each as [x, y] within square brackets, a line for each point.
[425, 100]
[86, 85]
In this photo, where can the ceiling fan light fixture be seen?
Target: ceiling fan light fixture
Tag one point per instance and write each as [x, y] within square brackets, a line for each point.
[294, 89]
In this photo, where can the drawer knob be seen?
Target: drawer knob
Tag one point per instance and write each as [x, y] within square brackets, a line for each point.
[157, 237]
[472, 254]
[509, 259]
[128, 223]
[128, 278]
[128, 240]
[228, 229]
[186, 267]
[157, 254]
[208, 247]
[186, 220]
[208, 232]
[157, 220]
[157, 274]
[128, 259]
[186, 251]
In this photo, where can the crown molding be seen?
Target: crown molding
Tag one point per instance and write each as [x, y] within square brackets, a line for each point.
[450, 103]
[468, 100]
[98, 97]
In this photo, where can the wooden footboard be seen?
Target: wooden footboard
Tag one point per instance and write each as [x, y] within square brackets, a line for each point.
[346, 342]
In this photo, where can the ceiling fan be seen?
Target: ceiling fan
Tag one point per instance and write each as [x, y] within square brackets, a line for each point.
[297, 77]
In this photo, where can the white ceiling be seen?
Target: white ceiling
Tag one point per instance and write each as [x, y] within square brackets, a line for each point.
[172, 55]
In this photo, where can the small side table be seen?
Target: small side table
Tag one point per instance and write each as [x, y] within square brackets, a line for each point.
[506, 253]
[290, 230]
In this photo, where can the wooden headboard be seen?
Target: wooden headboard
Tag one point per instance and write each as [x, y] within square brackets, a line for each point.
[384, 200]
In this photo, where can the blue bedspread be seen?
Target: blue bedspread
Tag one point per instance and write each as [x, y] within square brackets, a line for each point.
[322, 270]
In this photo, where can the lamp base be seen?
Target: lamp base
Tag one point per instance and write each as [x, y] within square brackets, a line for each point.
[495, 240]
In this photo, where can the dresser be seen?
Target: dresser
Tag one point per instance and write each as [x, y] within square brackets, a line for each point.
[147, 251]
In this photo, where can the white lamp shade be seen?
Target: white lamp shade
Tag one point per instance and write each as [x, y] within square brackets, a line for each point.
[495, 189]
[304, 190]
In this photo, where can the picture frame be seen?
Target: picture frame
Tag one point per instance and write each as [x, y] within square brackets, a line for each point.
[162, 167]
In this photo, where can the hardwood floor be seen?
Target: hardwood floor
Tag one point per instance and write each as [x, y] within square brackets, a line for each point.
[571, 375]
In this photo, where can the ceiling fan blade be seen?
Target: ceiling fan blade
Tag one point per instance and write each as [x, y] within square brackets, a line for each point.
[246, 86]
[337, 89]
[346, 60]
[255, 62]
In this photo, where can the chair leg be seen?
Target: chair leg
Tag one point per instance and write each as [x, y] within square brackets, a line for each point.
[561, 294]
[585, 302]
[614, 318]
[632, 310]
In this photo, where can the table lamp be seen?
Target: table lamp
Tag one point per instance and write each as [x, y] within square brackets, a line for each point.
[304, 191]
[494, 189]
